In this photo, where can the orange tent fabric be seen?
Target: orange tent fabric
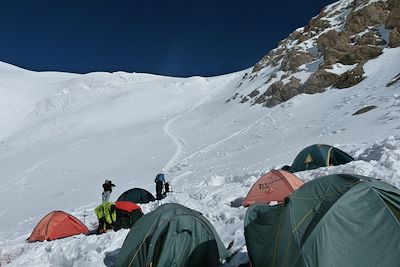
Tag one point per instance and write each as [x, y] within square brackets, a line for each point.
[55, 225]
[273, 186]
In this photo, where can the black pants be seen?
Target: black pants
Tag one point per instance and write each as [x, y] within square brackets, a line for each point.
[159, 189]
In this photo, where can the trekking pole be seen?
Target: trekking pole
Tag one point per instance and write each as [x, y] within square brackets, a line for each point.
[84, 217]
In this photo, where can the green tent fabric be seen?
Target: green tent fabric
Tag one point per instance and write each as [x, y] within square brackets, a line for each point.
[171, 236]
[336, 220]
[137, 195]
[317, 156]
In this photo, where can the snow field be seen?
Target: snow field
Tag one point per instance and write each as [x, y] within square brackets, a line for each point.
[72, 132]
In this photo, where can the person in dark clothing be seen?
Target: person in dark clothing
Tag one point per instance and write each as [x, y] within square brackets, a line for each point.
[160, 180]
[107, 187]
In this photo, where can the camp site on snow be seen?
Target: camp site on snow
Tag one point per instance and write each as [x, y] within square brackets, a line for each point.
[200, 133]
[288, 222]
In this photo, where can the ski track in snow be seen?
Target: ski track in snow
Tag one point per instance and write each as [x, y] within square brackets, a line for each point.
[178, 141]
[233, 135]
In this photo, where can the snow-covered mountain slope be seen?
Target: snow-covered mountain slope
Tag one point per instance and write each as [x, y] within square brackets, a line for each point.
[62, 135]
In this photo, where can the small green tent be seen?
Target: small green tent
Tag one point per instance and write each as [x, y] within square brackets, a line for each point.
[316, 156]
[137, 195]
[128, 213]
[336, 220]
[172, 235]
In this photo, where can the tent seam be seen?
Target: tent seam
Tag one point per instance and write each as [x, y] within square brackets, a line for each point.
[326, 213]
[381, 200]
[141, 243]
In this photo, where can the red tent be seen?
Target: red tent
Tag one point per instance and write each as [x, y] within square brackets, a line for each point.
[127, 206]
[55, 225]
[273, 186]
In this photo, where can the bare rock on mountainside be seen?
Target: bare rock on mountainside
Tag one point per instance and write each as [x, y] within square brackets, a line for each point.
[317, 23]
[393, 4]
[394, 38]
[253, 94]
[350, 78]
[393, 80]
[359, 54]
[294, 59]
[279, 92]
[370, 38]
[343, 35]
[371, 15]
[283, 93]
[318, 81]
[339, 41]
[364, 110]
[393, 20]
[333, 45]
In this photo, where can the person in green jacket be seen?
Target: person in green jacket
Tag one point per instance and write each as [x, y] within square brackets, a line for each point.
[106, 215]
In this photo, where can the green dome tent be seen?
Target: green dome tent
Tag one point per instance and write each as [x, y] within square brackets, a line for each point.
[172, 235]
[317, 156]
[137, 195]
[336, 220]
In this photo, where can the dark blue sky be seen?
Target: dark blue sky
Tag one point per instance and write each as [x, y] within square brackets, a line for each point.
[169, 37]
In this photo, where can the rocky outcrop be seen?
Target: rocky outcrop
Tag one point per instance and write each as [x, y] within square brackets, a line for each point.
[350, 78]
[370, 38]
[271, 59]
[279, 92]
[394, 80]
[254, 94]
[318, 81]
[369, 16]
[294, 59]
[337, 47]
[345, 33]
[364, 110]
[394, 38]
[322, 79]
[360, 54]
[393, 19]
[334, 40]
[317, 23]
[333, 45]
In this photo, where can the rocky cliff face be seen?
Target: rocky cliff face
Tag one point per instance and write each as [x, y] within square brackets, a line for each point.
[329, 52]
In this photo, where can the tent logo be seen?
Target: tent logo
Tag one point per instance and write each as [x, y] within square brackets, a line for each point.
[308, 159]
[267, 186]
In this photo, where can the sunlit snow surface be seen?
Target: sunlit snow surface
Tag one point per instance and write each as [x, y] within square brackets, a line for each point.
[62, 135]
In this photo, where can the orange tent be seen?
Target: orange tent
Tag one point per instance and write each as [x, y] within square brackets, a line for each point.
[55, 225]
[273, 186]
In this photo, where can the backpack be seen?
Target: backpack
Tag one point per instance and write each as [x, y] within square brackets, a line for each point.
[167, 187]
